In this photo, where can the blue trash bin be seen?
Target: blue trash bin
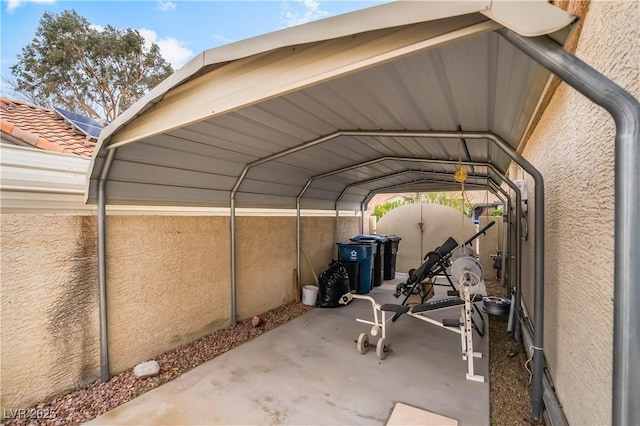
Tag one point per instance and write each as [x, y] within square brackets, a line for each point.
[361, 252]
[378, 258]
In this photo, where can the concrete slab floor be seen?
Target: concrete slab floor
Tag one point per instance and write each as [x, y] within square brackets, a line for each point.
[309, 372]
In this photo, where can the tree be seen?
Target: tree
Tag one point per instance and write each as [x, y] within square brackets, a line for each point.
[382, 209]
[98, 72]
[455, 200]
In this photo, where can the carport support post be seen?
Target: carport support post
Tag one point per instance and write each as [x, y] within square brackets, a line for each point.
[102, 265]
[232, 237]
[625, 110]
[538, 273]
[299, 275]
[518, 211]
[506, 232]
[335, 232]
[505, 243]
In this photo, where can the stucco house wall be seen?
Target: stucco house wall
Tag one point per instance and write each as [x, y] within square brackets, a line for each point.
[168, 284]
[573, 147]
[49, 300]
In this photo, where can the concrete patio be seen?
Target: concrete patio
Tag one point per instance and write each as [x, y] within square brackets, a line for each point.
[308, 371]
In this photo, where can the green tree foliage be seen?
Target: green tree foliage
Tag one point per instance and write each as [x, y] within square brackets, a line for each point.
[441, 198]
[382, 209]
[98, 72]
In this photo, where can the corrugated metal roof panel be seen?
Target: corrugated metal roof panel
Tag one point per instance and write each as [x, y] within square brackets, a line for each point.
[191, 143]
[24, 169]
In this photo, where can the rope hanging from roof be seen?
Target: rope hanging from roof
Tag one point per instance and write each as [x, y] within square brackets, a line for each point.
[460, 176]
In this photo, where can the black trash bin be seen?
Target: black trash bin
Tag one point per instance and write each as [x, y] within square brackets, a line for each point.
[353, 270]
[378, 259]
[390, 255]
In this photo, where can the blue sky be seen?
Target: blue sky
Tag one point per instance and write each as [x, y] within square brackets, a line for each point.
[182, 29]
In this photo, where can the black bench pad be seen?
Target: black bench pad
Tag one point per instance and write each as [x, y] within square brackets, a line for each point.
[399, 309]
[443, 303]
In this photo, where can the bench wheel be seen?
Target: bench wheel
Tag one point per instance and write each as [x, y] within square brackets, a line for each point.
[363, 343]
[382, 348]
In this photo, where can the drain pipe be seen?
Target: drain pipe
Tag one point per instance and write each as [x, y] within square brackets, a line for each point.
[102, 266]
[551, 403]
[625, 110]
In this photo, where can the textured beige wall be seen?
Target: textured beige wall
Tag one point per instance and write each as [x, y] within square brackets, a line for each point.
[49, 318]
[573, 147]
[168, 284]
[490, 243]
[265, 261]
[316, 240]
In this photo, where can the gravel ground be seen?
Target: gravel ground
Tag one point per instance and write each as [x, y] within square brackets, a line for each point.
[510, 392]
[97, 398]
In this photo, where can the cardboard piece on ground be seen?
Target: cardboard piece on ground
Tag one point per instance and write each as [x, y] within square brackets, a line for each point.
[416, 299]
[404, 415]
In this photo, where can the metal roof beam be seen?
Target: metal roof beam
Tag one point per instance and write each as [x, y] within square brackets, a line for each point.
[401, 185]
[392, 175]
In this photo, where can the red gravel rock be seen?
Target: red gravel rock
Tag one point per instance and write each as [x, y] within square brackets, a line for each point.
[97, 398]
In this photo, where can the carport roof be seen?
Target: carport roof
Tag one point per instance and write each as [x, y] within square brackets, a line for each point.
[371, 101]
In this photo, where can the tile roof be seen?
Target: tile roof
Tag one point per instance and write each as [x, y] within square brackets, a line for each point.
[42, 128]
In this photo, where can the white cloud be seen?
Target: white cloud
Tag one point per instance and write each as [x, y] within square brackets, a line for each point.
[166, 5]
[98, 28]
[14, 4]
[174, 51]
[298, 12]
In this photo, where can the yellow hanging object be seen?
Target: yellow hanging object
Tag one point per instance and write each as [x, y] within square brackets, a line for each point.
[460, 175]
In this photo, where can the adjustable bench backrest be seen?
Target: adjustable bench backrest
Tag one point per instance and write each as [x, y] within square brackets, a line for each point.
[433, 257]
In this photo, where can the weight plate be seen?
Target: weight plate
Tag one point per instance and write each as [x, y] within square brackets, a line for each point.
[496, 305]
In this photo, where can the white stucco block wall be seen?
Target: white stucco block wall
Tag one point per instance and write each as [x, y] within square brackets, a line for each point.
[573, 147]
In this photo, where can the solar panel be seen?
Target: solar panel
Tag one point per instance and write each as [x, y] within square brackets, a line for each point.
[86, 125]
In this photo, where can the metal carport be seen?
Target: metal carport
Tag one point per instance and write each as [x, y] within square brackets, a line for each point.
[323, 115]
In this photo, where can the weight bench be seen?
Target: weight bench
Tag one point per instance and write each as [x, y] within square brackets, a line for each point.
[468, 272]
[463, 326]
[436, 263]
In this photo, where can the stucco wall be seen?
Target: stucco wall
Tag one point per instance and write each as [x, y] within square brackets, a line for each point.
[316, 240]
[49, 318]
[168, 284]
[573, 147]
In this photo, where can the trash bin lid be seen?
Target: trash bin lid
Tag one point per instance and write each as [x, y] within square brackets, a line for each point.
[357, 250]
[378, 238]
